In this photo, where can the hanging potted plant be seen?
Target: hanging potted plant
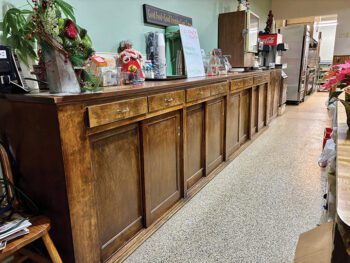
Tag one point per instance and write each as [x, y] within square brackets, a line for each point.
[65, 47]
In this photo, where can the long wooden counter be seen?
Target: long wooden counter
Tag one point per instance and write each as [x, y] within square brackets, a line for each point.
[108, 168]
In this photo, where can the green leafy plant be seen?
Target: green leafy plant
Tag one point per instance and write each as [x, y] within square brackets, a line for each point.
[18, 27]
[50, 24]
[65, 8]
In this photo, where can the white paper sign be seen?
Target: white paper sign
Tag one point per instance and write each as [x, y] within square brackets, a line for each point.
[192, 51]
[3, 54]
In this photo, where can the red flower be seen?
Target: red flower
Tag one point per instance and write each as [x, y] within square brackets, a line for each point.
[70, 30]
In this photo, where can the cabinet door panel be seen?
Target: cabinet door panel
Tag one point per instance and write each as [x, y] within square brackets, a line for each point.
[276, 97]
[262, 105]
[255, 110]
[161, 141]
[215, 121]
[275, 86]
[244, 116]
[116, 165]
[195, 145]
[270, 100]
[232, 134]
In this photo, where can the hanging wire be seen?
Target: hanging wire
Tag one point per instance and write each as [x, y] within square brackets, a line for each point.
[7, 203]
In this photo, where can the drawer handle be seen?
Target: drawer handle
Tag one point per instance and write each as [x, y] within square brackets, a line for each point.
[123, 110]
[169, 100]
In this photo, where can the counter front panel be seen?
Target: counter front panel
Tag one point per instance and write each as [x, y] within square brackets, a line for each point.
[125, 158]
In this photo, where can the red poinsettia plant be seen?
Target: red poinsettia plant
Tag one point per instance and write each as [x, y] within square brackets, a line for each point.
[338, 77]
[70, 30]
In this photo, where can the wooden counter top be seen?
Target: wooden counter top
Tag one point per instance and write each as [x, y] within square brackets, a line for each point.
[343, 165]
[128, 90]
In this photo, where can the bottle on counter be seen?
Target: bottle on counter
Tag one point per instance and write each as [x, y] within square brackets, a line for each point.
[148, 69]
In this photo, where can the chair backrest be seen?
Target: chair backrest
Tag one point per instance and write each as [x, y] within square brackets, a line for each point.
[7, 171]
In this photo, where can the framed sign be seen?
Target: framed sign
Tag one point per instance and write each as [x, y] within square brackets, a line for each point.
[156, 16]
[192, 51]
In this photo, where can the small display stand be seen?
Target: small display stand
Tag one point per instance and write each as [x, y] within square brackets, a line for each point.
[183, 52]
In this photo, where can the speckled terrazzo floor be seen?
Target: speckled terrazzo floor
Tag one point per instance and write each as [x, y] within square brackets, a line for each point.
[255, 209]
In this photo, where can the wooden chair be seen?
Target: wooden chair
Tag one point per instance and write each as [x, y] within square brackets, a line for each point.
[39, 229]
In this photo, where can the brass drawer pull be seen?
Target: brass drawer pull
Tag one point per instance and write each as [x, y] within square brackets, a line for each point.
[168, 100]
[123, 111]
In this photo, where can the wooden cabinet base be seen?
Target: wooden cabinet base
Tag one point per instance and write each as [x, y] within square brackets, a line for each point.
[109, 168]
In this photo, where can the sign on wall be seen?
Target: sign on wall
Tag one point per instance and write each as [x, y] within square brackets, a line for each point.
[192, 51]
[156, 16]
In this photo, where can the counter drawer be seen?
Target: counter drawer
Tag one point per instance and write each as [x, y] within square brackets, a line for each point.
[261, 79]
[111, 112]
[219, 88]
[248, 82]
[165, 100]
[198, 93]
[237, 84]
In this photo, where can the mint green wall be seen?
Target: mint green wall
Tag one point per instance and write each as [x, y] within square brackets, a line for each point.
[110, 21]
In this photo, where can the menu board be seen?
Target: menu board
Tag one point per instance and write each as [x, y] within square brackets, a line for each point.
[192, 52]
[157, 16]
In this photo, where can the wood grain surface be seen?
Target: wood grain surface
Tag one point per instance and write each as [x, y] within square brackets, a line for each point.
[343, 165]
[106, 178]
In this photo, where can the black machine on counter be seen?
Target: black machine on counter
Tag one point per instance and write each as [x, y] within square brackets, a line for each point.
[11, 80]
[271, 50]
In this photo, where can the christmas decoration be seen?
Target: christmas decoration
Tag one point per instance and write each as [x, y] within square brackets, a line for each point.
[70, 30]
[50, 24]
[269, 23]
[242, 5]
[130, 62]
